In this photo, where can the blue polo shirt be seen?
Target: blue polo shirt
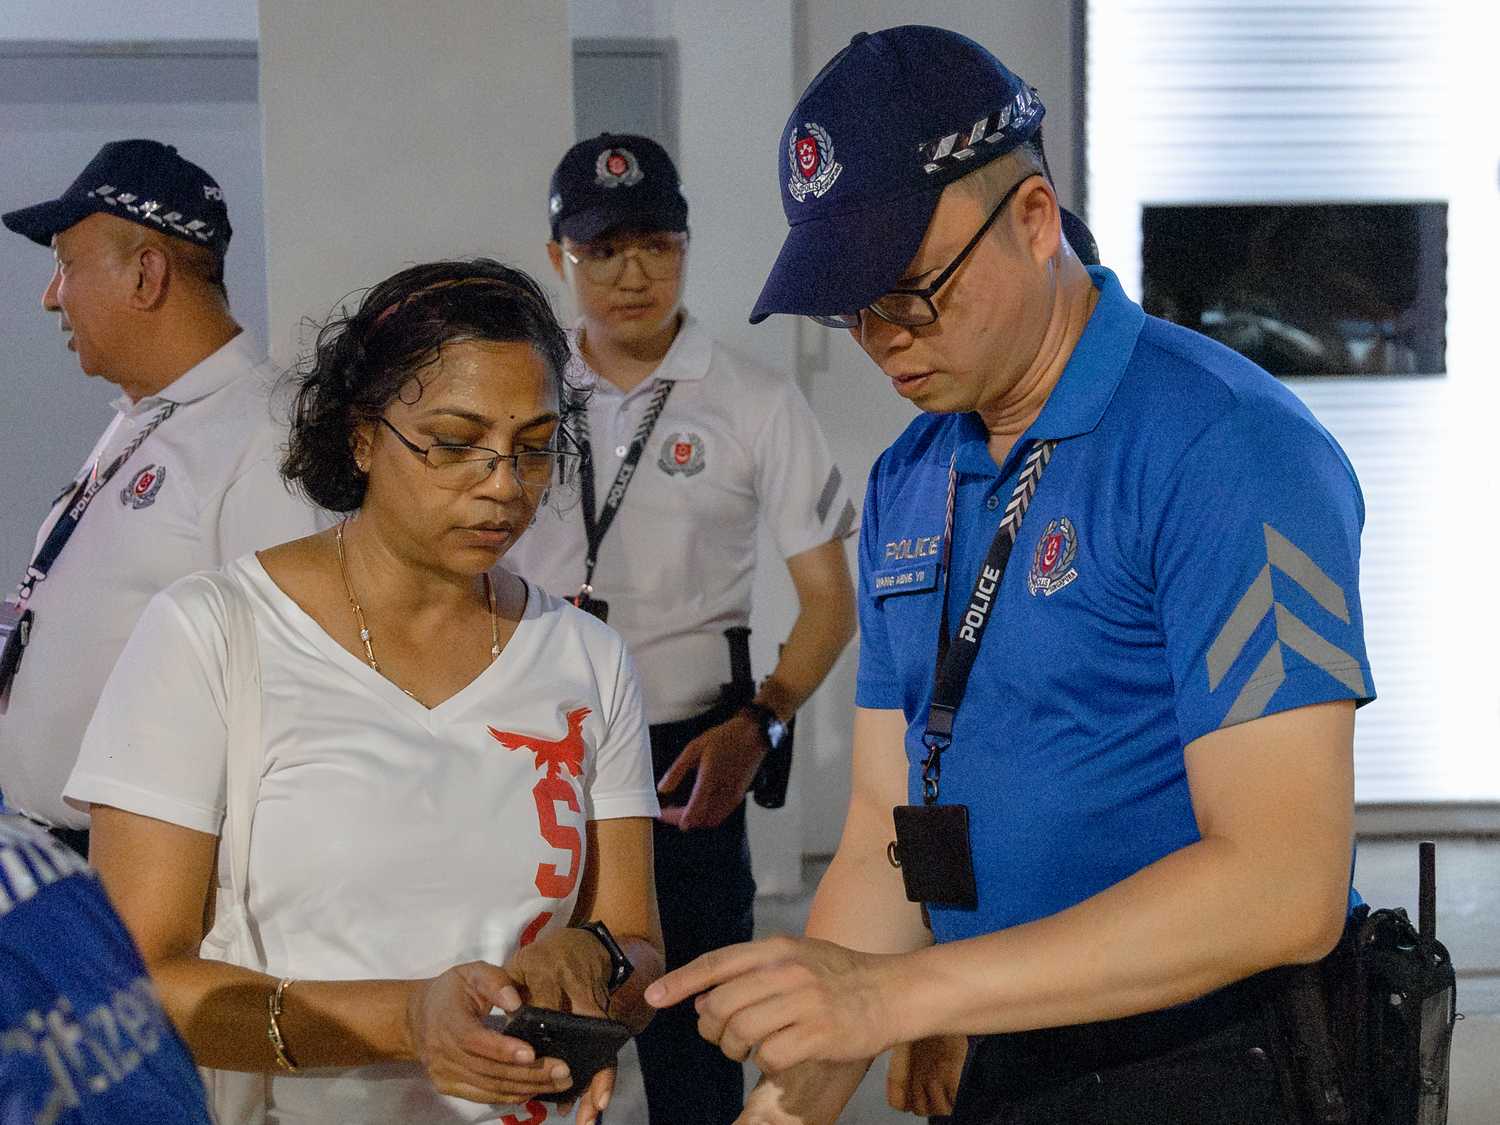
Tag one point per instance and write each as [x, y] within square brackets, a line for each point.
[1190, 561]
[83, 1038]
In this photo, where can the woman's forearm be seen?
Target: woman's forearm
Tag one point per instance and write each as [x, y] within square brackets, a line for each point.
[223, 1013]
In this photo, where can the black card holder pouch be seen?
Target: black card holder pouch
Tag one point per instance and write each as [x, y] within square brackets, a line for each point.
[594, 606]
[932, 851]
[15, 632]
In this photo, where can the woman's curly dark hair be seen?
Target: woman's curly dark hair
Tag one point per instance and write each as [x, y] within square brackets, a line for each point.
[364, 359]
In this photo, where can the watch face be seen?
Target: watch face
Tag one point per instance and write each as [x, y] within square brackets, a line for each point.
[775, 733]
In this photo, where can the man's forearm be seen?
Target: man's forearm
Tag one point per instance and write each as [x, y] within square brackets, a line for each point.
[1266, 885]
[811, 1093]
[860, 903]
[1192, 922]
[812, 647]
[824, 626]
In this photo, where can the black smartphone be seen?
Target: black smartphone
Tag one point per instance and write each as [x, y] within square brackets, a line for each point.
[587, 1044]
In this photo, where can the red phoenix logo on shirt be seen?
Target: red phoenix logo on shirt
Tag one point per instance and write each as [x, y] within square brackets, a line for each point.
[552, 791]
[552, 755]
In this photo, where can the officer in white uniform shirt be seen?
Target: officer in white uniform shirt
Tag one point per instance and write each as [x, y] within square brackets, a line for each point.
[183, 479]
[688, 447]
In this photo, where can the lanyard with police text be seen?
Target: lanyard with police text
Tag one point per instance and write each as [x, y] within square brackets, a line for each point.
[595, 525]
[78, 502]
[955, 658]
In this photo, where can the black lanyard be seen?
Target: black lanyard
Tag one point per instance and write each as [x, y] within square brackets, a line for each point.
[78, 502]
[955, 656]
[595, 525]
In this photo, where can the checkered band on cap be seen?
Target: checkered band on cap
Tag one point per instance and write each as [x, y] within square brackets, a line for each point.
[968, 146]
[154, 212]
[143, 181]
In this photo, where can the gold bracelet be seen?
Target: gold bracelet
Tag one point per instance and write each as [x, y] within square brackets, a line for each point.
[273, 1029]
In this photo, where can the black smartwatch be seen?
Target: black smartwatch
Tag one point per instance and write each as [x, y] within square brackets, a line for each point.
[620, 966]
[772, 729]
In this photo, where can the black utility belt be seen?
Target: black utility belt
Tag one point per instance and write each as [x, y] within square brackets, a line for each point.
[1056, 1055]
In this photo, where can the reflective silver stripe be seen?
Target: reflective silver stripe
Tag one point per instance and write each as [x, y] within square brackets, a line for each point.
[830, 492]
[1259, 600]
[1315, 650]
[846, 520]
[1251, 703]
[1292, 561]
[1020, 499]
[1230, 643]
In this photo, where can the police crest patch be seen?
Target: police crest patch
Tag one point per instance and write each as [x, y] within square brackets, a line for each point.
[143, 487]
[1052, 561]
[811, 158]
[681, 454]
[617, 167]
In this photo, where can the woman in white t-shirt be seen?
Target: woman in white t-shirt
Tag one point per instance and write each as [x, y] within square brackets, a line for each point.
[455, 770]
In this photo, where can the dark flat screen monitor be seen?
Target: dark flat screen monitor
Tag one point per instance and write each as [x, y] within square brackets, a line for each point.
[1305, 288]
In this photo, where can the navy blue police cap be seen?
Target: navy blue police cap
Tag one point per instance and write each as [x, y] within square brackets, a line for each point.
[615, 180]
[143, 181]
[893, 119]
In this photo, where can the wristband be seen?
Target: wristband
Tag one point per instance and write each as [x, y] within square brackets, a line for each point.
[620, 966]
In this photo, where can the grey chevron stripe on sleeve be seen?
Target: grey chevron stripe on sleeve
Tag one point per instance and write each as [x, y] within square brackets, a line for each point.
[830, 491]
[1291, 631]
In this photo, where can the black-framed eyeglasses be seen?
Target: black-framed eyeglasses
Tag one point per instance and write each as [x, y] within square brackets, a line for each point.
[461, 467]
[603, 261]
[913, 308]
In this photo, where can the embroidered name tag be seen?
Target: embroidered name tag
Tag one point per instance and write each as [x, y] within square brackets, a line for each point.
[904, 579]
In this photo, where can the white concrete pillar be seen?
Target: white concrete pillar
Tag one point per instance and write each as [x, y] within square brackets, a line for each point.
[399, 132]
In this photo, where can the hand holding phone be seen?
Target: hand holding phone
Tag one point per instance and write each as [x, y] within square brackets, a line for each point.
[587, 1044]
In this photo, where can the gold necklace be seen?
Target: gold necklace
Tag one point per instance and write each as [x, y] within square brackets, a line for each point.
[364, 630]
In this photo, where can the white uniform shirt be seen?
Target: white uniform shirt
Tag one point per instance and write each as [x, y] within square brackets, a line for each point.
[203, 489]
[389, 840]
[736, 443]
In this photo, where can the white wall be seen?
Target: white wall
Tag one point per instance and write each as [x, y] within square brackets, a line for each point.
[398, 133]
[735, 60]
[620, 19]
[1251, 104]
[139, 21]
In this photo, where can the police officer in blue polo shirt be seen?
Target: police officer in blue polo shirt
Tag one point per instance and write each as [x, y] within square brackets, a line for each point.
[1111, 652]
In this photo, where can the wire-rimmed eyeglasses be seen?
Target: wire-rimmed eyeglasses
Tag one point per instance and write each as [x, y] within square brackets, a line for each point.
[913, 308]
[461, 467]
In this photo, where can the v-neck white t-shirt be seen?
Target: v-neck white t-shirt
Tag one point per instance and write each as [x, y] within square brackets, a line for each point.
[389, 840]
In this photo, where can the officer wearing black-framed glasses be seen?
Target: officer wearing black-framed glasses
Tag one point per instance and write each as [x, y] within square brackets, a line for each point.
[1098, 845]
[914, 308]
